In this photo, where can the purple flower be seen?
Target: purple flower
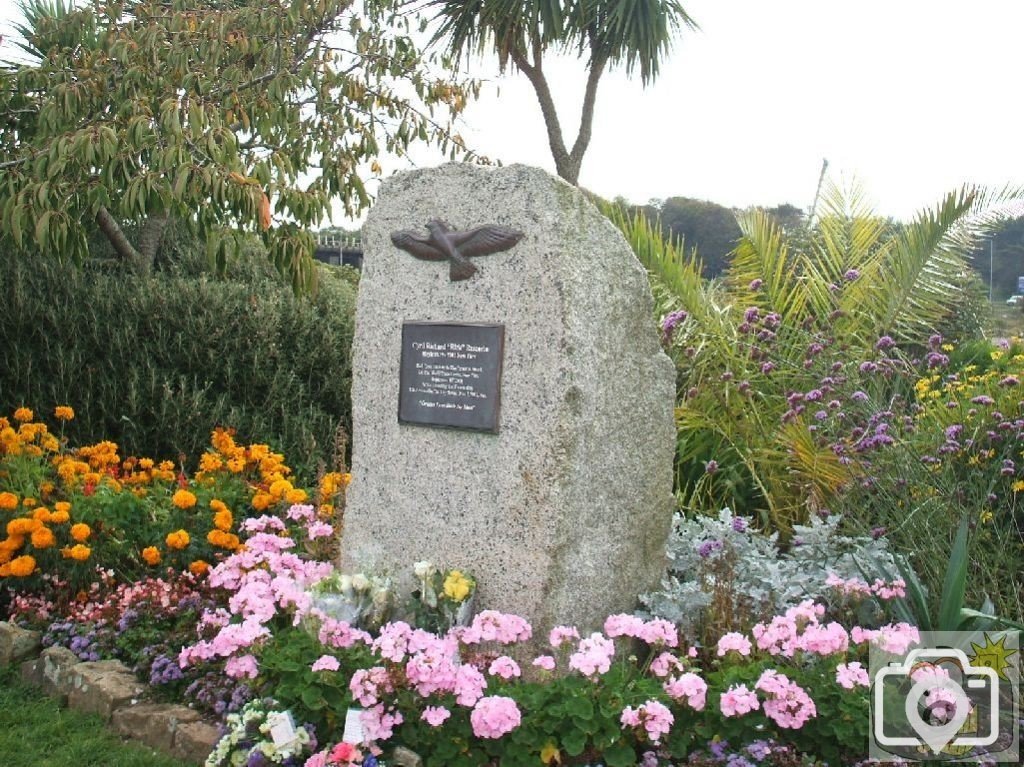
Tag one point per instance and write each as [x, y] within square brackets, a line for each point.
[868, 367]
[711, 466]
[859, 396]
[983, 399]
[878, 532]
[813, 395]
[821, 415]
[851, 275]
[1010, 381]
[885, 342]
[743, 387]
[954, 431]
[756, 284]
[751, 314]
[739, 524]
[669, 324]
[705, 549]
[935, 341]
[767, 367]
[936, 360]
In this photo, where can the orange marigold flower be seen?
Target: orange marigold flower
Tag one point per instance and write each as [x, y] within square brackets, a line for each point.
[59, 517]
[223, 520]
[261, 501]
[12, 543]
[279, 487]
[298, 495]
[223, 540]
[151, 555]
[63, 413]
[218, 505]
[24, 566]
[183, 499]
[199, 568]
[24, 414]
[22, 526]
[43, 538]
[145, 464]
[78, 552]
[81, 532]
[62, 506]
[236, 465]
[29, 502]
[8, 501]
[45, 488]
[179, 539]
[210, 462]
[42, 514]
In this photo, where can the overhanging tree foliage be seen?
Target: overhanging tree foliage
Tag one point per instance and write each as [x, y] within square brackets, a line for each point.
[633, 33]
[234, 115]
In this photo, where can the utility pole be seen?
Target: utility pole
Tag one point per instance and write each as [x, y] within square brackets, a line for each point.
[991, 250]
[817, 192]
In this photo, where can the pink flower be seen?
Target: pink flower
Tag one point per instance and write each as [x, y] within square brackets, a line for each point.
[493, 626]
[504, 667]
[326, 663]
[469, 685]
[850, 675]
[378, 723]
[300, 513]
[733, 641]
[435, 716]
[561, 634]
[738, 700]
[344, 753]
[688, 686]
[665, 664]
[545, 662]
[594, 655]
[788, 705]
[366, 685]
[655, 718]
[494, 716]
[242, 667]
[319, 529]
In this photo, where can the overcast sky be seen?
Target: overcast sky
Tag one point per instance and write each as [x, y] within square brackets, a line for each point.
[911, 97]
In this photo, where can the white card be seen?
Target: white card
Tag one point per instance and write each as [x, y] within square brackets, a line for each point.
[282, 729]
[353, 727]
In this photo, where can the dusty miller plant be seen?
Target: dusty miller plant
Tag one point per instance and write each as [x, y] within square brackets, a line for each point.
[724, 575]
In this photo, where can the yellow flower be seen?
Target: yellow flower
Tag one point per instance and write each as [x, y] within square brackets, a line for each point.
[78, 552]
[457, 586]
[223, 520]
[22, 526]
[298, 495]
[198, 568]
[177, 540]
[986, 516]
[183, 499]
[63, 413]
[1017, 486]
[43, 538]
[22, 567]
[550, 754]
[81, 532]
[8, 501]
[151, 555]
[23, 414]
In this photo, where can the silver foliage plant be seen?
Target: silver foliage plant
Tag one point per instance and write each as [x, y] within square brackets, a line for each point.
[708, 555]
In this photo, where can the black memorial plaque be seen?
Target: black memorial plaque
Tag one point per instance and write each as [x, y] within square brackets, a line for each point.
[451, 375]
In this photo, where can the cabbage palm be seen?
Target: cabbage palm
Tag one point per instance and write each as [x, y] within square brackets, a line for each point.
[634, 33]
[852, 279]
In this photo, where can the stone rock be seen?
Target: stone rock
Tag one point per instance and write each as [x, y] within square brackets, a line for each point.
[562, 515]
[101, 687]
[152, 723]
[51, 671]
[17, 644]
[194, 741]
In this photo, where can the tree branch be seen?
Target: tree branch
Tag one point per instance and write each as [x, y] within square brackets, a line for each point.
[120, 242]
[563, 163]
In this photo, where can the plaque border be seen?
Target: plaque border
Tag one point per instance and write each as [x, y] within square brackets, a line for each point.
[495, 428]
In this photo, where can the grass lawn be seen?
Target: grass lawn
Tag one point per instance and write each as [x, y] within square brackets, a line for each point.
[36, 732]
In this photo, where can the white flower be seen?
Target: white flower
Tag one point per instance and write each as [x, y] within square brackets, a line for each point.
[424, 569]
[345, 584]
[360, 582]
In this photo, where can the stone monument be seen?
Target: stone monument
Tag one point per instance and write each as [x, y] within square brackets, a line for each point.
[512, 408]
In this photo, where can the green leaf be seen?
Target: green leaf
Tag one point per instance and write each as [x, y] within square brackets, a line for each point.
[574, 741]
[619, 755]
[955, 582]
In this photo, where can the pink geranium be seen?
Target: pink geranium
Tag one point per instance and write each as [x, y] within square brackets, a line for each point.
[738, 700]
[494, 716]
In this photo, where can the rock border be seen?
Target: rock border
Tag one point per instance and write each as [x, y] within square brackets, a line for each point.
[107, 688]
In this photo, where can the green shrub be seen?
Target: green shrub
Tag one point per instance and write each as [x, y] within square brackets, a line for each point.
[155, 364]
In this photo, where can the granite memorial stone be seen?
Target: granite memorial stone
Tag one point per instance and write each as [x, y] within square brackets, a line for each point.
[559, 500]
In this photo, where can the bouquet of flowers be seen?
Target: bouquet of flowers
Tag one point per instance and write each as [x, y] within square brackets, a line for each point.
[443, 599]
[258, 736]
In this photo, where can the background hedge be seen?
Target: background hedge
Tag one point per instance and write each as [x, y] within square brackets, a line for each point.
[155, 364]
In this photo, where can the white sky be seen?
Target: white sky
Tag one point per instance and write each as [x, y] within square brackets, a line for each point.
[910, 97]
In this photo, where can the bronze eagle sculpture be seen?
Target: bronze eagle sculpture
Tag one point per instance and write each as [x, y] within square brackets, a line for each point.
[442, 244]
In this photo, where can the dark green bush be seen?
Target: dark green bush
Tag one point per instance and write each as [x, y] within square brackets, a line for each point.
[155, 364]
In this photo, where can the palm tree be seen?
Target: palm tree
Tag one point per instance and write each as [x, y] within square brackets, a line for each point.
[850, 281]
[635, 33]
